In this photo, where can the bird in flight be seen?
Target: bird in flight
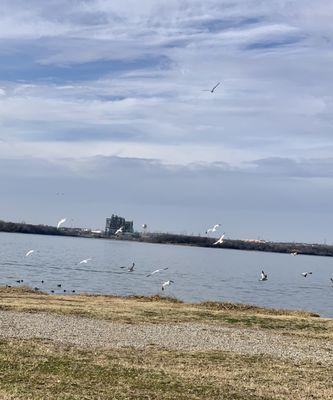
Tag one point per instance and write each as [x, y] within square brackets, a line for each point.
[130, 269]
[29, 253]
[213, 89]
[119, 231]
[263, 276]
[167, 283]
[305, 274]
[157, 270]
[85, 261]
[61, 222]
[213, 229]
[220, 241]
[294, 253]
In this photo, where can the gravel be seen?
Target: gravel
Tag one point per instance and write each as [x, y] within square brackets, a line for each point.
[86, 332]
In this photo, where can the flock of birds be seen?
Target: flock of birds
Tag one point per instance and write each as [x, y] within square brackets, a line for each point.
[164, 285]
[156, 271]
[264, 275]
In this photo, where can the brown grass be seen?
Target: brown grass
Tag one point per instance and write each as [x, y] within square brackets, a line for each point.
[36, 370]
[156, 309]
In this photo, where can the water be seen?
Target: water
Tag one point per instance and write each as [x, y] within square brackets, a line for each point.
[199, 273]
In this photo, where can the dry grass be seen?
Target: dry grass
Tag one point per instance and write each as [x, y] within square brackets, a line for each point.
[36, 370]
[166, 310]
[39, 370]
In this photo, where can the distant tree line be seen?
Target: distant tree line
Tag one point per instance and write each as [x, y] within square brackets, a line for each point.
[20, 227]
[168, 238]
[276, 247]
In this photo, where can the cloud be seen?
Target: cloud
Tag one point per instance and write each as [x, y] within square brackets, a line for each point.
[166, 197]
[90, 81]
[304, 168]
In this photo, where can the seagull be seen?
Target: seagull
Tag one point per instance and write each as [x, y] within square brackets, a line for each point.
[29, 253]
[213, 89]
[305, 274]
[213, 229]
[130, 269]
[167, 283]
[85, 261]
[120, 230]
[220, 241]
[263, 276]
[157, 270]
[294, 253]
[61, 222]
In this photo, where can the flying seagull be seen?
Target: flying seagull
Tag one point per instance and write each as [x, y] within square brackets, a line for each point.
[130, 269]
[213, 89]
[85, 261]
[305, 274]
[213, 229]
[120, 230]
[61, 222]
[157, 270]
[263, 276]
[167, 283]
[29, 253]
[220, 241]
[294, 253]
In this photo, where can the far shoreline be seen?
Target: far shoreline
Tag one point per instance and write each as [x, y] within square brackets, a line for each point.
[176, 239]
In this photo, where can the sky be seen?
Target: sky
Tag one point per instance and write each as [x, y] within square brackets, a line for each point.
[106, 102]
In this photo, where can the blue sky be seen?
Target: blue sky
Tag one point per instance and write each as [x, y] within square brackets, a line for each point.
[104, 101]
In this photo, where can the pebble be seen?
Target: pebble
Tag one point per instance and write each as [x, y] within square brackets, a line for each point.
[188, 336]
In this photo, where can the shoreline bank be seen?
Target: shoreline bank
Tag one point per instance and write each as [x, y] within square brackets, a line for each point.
[175, 239]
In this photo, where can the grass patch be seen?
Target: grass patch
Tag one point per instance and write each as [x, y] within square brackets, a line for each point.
[40, 370]
[157, 309]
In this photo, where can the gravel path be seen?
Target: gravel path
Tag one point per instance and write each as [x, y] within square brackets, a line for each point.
[87, 332]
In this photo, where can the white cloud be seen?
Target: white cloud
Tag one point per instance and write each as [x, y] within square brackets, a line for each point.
[124, 78]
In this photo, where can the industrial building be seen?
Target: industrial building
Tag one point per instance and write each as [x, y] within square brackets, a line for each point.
[115, 222]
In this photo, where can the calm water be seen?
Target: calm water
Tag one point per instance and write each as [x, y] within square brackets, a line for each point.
[199, 273]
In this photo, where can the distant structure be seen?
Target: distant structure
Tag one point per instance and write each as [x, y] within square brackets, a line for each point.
[114, 223]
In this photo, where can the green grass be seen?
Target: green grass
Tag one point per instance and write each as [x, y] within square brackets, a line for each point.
[39, 370]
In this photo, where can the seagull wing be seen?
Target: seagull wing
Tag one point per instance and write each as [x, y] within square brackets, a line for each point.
[216, 86]
[61, 222]
[85, 261]
[154, 272]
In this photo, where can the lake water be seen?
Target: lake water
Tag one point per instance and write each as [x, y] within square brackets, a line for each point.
[199, 273]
